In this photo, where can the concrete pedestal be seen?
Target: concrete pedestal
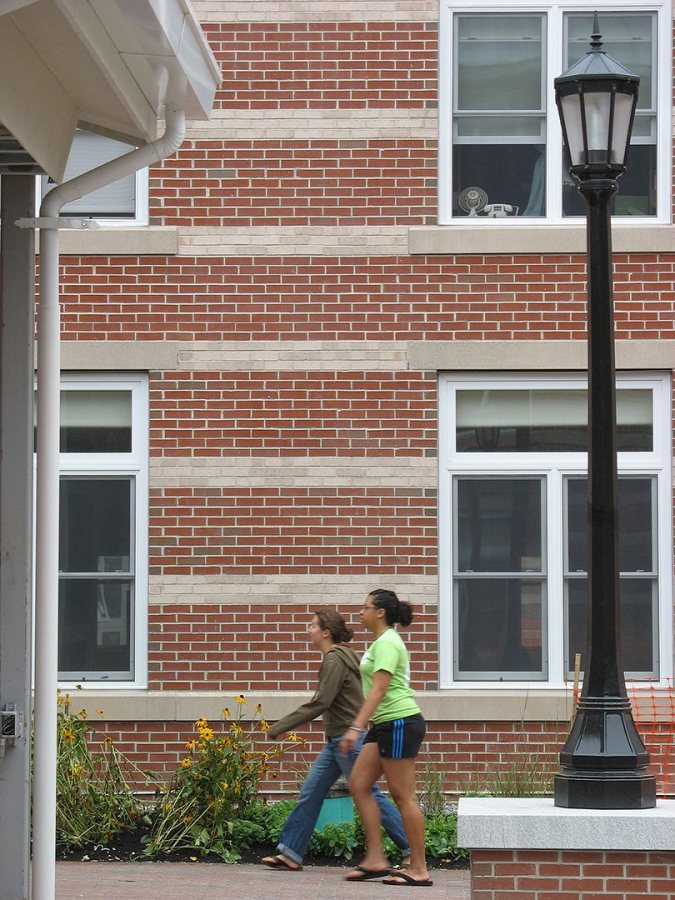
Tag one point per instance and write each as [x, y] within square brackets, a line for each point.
[530, 849]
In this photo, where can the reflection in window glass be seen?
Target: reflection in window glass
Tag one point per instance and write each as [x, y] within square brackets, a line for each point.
[499, 525]
[500, 627]
[529, 421]
[95, 421]
[499, 620]
[113, 201]
[96, 569]
[499, 151]
[629, 38]
[637, 564]
[95, 626]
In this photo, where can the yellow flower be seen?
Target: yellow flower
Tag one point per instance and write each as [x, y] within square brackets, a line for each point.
[240, 699]
[190, 746]
[258, 708]
[264, 726]
[99, 713]
[226, 713]
[186, 763]
[82, 715]
[237, 729]
[206, 734]
[224, 785]
[293, 736]
[67, 735]
[201, 723]
[77, 768]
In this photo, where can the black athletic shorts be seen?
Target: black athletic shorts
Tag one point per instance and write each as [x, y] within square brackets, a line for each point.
[398, 739]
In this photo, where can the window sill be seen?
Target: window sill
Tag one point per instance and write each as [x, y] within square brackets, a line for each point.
[454, 705]
[120, 241]
[470, 239]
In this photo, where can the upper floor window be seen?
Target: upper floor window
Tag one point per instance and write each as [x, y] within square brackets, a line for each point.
[124, 202]
[501, 154]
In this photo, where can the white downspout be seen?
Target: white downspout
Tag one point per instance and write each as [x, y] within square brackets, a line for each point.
[47, 489]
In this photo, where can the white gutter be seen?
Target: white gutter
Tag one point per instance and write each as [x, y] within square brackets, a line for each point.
[47, 489]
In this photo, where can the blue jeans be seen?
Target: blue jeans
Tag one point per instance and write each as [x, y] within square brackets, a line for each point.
[324, 772]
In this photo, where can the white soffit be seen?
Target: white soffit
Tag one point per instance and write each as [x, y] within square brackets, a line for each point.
[107, 65]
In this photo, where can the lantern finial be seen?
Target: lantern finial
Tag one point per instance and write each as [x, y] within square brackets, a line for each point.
[596, 37]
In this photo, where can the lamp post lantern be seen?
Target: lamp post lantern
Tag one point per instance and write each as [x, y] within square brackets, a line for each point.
[603, 760]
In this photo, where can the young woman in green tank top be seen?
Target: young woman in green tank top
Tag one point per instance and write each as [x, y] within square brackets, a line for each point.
[391, 743]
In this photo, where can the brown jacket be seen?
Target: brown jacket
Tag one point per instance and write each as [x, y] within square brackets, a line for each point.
[337, 697]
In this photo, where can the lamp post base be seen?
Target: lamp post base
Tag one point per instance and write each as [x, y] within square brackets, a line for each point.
[581, 789]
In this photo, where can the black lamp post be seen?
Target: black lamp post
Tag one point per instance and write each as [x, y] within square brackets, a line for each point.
[604, 760]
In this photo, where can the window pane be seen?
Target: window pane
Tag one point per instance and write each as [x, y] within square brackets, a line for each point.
[94, 626]
[637, 603]
[498, 68]
[628, 38]
[637, 187]
[499, 126]
[636, 524]
[116, 200]
[499, 626]
[510, 176]
[525, 421]
[95, 421]
[95, 525]
[499, 62]
[499, 525]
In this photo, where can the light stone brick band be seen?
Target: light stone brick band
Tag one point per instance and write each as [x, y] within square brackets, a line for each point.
[416, 473]
[316, 10]
[168, 590]
[288, 356]
[316, 124]
[300, 240]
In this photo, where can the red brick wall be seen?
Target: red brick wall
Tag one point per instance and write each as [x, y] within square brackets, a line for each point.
[572, 875]
[291, 182]
[293, 414]
[255, 647]
[348, 65]
[367, 298]
[472, 755]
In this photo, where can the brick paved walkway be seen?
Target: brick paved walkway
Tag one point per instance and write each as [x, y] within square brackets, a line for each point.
[204, 881]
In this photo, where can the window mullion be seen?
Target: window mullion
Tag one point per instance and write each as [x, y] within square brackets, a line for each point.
[554, 142]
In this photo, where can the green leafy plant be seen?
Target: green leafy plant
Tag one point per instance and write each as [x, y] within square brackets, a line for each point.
[337, 839]
[216, 781]
[94, 800]
[440, 837]
[269, 817]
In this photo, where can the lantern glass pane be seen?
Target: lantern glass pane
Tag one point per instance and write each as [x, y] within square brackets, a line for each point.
[597, 105]
[622, 112]
[571, 111]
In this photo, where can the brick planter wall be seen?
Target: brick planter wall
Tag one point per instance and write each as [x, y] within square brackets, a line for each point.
[572, 875]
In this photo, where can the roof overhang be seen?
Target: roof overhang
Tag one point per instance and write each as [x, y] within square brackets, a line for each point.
[110, 66]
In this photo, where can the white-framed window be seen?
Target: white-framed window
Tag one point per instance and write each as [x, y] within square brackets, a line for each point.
[122, 203]
[500, 142]
[512, 527]
[103, 527]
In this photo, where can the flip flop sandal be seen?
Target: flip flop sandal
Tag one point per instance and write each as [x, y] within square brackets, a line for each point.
[400, 879]
[367, 874]
[278, 862]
